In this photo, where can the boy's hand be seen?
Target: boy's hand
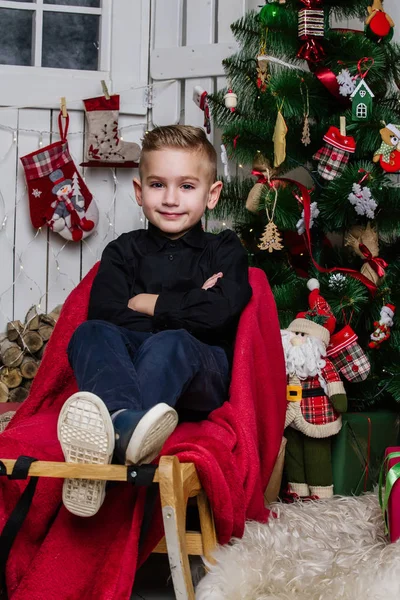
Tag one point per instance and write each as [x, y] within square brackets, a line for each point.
[144, 303]
[211, 281]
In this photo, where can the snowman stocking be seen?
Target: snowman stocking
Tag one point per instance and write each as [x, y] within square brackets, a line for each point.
[347, 355]
[104, 147]
[58, 195]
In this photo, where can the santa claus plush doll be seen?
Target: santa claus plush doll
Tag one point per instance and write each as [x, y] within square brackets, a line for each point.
[315, 396]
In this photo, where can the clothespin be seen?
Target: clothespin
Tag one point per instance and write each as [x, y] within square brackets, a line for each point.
[343, 126]
[64, 107]
[105, 89]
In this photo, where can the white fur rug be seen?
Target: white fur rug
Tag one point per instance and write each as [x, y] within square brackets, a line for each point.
[323, 550]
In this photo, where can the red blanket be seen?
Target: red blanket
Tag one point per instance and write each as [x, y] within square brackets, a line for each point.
[63, 557]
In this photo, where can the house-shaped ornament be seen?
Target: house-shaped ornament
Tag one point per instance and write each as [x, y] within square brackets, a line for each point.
[361, 102]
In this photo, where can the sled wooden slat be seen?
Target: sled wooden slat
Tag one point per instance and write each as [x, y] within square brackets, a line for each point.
[194, 545]
[63, 470]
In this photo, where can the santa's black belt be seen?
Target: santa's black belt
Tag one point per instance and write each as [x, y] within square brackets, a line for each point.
[313, 392]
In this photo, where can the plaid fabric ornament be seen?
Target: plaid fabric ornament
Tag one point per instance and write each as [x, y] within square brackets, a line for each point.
[58, 196]
[347, 355]
[334, 155]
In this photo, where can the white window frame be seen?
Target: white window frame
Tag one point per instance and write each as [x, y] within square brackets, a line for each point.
[362, 111]
[36, 86]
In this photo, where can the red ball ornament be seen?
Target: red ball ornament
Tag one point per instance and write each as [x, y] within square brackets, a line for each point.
[379, 25]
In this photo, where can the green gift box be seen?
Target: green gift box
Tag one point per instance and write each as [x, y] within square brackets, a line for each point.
[359, 448]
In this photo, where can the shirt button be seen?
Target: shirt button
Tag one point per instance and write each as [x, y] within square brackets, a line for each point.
[171, 257]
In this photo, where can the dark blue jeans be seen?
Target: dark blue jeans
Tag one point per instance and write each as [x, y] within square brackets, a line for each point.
[137, 370]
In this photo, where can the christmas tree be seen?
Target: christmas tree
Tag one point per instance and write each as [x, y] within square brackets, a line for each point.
[313, 110]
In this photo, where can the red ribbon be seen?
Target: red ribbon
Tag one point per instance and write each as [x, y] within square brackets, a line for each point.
[261, 178]
[63, 131]
[362, 62]
[305, 200]
[328, 79]
[235, 140]
[312, 51]
[366, 176]
[378, 264]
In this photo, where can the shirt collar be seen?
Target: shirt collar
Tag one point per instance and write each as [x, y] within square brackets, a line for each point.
[195, 237]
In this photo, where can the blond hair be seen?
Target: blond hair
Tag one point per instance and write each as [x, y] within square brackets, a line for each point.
[186, 137]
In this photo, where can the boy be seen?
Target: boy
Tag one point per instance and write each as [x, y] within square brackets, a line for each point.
[163, 314]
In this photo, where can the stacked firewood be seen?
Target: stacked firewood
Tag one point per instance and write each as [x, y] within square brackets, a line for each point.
[21, 350]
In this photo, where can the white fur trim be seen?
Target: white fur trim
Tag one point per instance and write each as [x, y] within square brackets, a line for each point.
[322, 491]
[301, 489]
[308, 327]
[335, 387]
[393, 129]
[297, 421]
[387, 311]
[313, 284]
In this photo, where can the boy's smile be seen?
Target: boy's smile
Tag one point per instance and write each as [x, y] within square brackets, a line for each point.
[175, 189]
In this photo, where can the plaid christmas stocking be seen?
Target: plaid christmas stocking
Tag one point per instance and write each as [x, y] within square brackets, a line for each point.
[58, 196]
[104, 147]
[348, 356]
[334, 156]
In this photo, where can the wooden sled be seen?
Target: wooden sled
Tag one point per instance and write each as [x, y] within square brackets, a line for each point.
[177, 482]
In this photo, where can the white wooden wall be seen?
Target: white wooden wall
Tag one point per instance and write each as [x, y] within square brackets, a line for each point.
[39, 267]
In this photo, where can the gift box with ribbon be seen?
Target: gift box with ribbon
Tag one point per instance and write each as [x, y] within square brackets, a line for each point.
[359, 448]
[389, 492]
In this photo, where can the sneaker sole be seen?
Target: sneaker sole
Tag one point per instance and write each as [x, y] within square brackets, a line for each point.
[86, 435]
[150, 434]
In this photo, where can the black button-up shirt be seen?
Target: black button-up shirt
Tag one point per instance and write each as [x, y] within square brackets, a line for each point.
[145, 261]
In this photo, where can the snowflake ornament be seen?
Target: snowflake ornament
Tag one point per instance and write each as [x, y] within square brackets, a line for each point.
[337, 281]
[36, 193]
[346, 83]
[300, 225]
[362, 200]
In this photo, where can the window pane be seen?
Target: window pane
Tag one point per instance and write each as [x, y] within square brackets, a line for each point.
[16, 28]
[90, 3]
[70, 41]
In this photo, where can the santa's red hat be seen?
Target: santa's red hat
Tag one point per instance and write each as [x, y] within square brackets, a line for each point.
[318, 321]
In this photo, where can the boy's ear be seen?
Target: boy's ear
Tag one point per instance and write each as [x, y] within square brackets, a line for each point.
[138, 190]
[214, 194]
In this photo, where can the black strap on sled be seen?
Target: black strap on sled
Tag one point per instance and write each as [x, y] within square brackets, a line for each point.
[142, 475]
[18, 515]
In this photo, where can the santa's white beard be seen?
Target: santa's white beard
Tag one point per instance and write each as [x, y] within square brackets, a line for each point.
[305, 360]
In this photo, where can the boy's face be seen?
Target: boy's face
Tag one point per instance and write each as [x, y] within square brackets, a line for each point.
[175, 189]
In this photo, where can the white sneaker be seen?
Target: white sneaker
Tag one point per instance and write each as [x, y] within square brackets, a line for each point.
[86, 435]
[139, 439]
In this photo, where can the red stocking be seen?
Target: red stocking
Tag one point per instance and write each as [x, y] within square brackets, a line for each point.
[58, 196]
